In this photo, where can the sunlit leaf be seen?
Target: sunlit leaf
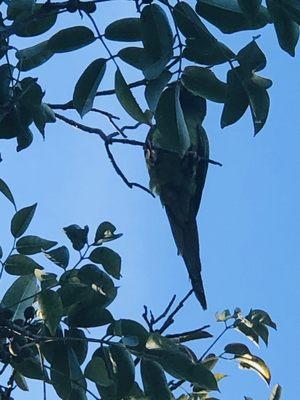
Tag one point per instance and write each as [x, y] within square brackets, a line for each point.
[248, 361]
[276, 393]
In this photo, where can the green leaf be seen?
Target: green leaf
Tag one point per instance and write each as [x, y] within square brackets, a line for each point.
[251, 58]
[20, 381]
[276, 393]
[77, 235]
[124, 30]
[51, 309]
[87, 85]
[80, 347]
[292, 7]
[59, 256]
[109, 259]
[134, 56]
[17, 7]
[88, 317]
[237, 100]
[287, 30]
[30, 367]
[246, 328]
[18, 264]
[43, 114]
[124, 369]
[154, 381]
[96, 372]
[36, 25]
[5, 81]
[47, 279]
[66, 375]
[259, 101]
[172, 133]
[20, 295]
[237, 349]
[203, 82]
[21, 220]
[4, 189]
[126, 98]
[250, 8]
[105, 233]
[157, 37]
[261, 316]
[34, 56]
[33, 244]
[248, 361]
[155, 87]
[228, 16]
[70, 39]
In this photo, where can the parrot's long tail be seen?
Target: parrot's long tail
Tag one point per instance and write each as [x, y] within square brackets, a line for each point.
[187, 241]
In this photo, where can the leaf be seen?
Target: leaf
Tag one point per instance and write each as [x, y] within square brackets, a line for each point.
[202, 46]
[157, 37]
[47, 279]
[126, 98]
[4, 189]
[36, 25]
[31, 368]
[109, 259]
[292, 7]
[70, 39]
[34, 56]
[5, 81]
[59, 256]
[259, 101]
[43, 114]
[33, 244]
[51, 309]
[20, 381]
[261, 316]
[87, 85]
[276, 393]
[88, 317]
[77, 235]
[96, 372]
[237, 101]
[80, 347]
[17, 7]
[124, 30]
[172, 132]
[155, 87]
[250, 8]
[237, 349]
[124, 369]
[246, 329]
[154, 381]
[228, 16]
[287, 30]
[18, 264]
[251, 58]
[203, 82]
[20, 295]
[21, 220]
[127, 328]
[66, 375]
[134, 56]
[248, 361]
[24, 139]
[105, 233]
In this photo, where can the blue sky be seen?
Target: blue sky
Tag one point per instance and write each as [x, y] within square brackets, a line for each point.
[249, 219]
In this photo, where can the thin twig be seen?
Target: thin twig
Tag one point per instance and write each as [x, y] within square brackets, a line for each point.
[164, 313]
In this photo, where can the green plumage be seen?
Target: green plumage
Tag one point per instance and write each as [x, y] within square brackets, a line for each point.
[179, 181]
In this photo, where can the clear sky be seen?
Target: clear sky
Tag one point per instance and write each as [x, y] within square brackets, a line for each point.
[249, 218]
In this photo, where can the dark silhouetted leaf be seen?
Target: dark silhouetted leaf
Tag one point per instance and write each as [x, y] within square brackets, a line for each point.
[43, 115]
[59, 256]
[88, 317]
[125, 369]
[21, 381]
[77, 235]
[134, 56]
[33, 244]
[251, 57]
[70, 39]
[21, 220]
[51, 309]
[124, 30]
[31, 368]
[87, 85]
[36, 25]
[18, 264]
[287, 30]
[80, 347]
[105, 233]
[5, 190]
[96, 372]
[20, 295]
[126, 98]
[33, 56]
[250, 8]
[155, 87]
[109, 259]
[237, 349]
[157, 37]
[203, 82]
[154, 381]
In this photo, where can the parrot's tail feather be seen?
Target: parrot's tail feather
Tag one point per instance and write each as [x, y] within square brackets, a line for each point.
[187, 242]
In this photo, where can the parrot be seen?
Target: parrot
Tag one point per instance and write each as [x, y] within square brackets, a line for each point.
[179, 181]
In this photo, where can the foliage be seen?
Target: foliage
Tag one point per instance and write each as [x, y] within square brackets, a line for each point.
[43, 313]
[44, 317]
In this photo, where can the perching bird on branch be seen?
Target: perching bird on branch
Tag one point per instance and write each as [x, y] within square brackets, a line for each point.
[179, 181]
